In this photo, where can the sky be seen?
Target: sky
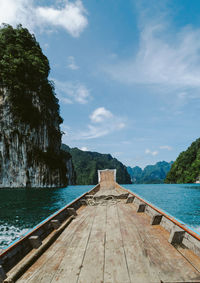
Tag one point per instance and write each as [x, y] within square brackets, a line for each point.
[127, 73]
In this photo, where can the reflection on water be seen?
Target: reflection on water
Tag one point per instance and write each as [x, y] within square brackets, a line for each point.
[22, 209]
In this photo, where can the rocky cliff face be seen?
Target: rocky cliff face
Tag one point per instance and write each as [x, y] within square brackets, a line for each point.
[71, 175]
[30, 136]
[30, 156]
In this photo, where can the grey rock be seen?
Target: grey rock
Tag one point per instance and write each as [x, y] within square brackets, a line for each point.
[19, 166]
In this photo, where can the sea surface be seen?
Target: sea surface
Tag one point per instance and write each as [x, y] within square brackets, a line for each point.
[22, 209]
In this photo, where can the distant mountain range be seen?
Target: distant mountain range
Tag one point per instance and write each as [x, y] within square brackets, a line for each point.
[151, 174]
[186, 168]
[86, 164]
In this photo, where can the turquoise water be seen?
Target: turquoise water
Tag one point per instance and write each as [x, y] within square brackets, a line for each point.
[181, 201]
[22, 209]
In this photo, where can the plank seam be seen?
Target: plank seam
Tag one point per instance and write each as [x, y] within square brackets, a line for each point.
[123, 244]
[188, 260]
[86, 247]
[104, 248]
[71, 236]
[141, 240]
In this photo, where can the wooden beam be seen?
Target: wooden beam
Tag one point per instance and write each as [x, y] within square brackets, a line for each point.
[141, 207]
[72, 211]
[130, 199]
[35, 241]
[55, 223]
[176, 236]
[156, 219]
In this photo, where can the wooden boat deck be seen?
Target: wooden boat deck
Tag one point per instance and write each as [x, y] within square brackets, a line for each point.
[111, 242]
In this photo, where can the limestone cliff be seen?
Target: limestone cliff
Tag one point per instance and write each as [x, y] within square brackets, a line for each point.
[30, 136]
[71, 174]
[29, 157]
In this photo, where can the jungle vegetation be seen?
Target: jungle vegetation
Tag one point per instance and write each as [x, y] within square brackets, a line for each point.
[86, 164]
[186, 168]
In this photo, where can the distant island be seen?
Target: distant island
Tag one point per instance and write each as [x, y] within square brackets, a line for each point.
[186, 168]
[151, 174]
[86, 164]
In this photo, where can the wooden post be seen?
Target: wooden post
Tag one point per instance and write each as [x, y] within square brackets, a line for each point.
[176, 236]
[71, 211]
[156, 219]
[130, 199]
[35, 241]
[141, 207]
[55, 223]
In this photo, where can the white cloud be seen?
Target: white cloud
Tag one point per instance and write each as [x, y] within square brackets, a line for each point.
[166, 147]
[166, 60]
[64, 100]
[72, 92]
[153, 153]
[102, 123]
[14, 12]
[100, 114]
[71, 64]
[71, 16]
[84, 148]
[81, 94]
[93, 132]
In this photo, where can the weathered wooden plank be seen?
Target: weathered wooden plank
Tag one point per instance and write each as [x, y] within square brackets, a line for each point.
[106, 192]
[47, 265]
[94, 256]
[115, 269]
[71, 265]
[191, 257]
[155, 257]
[113, 243]
[140, 269]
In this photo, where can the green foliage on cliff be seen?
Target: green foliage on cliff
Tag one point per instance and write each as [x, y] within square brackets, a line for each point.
[135, 174]
[24, 71]
[86, 164]
[28, 99]
[186, 168]
[152, 174]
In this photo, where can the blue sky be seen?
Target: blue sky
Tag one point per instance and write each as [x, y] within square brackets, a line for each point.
[127, 73]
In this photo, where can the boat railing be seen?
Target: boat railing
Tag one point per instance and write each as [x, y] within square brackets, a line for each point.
[180, 233]
[17, 250]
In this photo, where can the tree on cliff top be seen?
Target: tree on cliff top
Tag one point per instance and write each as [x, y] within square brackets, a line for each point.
[24, 70]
